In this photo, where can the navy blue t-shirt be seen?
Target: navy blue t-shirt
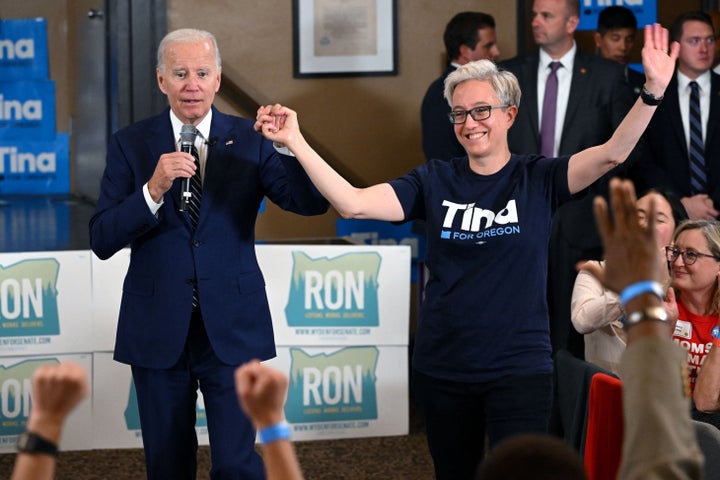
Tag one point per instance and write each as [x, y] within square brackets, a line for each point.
[484, 315]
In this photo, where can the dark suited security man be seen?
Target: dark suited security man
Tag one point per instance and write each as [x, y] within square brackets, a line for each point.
[592, 99]
[666, 143]
[468, 36]
[172, 346]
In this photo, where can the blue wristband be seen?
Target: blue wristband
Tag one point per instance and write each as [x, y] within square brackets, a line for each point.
[279, 431]
[635, 289]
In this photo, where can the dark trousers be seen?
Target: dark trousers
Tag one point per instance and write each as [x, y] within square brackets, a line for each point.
[458, 415]
[166, 402]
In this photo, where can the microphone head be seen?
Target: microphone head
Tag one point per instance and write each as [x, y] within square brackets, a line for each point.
[187, 134]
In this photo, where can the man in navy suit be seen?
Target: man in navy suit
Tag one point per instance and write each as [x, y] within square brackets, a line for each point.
[468, 36]
[193, 304]
[593, 97]
[666, 161]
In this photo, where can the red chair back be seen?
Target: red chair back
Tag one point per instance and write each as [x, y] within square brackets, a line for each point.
[604, 435]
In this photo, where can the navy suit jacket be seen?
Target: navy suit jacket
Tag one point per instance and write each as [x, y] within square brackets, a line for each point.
[665, 161]
[438, 134]
[167, 256]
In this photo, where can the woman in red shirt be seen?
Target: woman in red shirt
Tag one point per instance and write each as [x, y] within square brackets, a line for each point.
[694, 260]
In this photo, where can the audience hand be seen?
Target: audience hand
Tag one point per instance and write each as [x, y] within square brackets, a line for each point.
[630, 248]
[262, 391]
[56, 391]
[670, 305]
[700, 206]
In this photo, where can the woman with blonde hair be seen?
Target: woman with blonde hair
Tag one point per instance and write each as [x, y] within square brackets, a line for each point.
[694, 261]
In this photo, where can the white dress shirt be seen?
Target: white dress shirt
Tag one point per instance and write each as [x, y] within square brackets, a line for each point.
[703, 82]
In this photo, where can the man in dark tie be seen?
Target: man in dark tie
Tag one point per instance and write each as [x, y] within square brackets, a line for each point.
[681, 146]
[591, 99]
[468, 36]
[193, 304]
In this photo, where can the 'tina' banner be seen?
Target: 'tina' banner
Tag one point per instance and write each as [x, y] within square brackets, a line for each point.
[24, 49]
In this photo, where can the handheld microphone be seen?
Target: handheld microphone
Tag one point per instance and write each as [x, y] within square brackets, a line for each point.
[187, 140]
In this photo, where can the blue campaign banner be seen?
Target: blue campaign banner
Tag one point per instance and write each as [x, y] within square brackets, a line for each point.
[35, 167]
[23, 49]
[376, 232]
[27, 110]
[645, 11]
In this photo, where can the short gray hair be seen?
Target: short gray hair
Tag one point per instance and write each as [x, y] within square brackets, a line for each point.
[186, 35]
[504, 83]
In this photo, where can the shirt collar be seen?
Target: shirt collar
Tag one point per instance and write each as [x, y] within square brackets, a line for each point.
[567, 60]
[203, 127]
[703, 81]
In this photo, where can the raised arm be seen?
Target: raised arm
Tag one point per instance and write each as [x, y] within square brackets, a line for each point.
[379, 202]
[655, 402]
[588, 165]
[56, 391]
[261, 391]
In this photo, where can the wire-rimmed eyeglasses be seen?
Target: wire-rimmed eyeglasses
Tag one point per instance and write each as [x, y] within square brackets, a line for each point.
[476, 113]
[689, 256]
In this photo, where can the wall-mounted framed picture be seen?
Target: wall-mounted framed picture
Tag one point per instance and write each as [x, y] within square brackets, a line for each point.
[344, 38]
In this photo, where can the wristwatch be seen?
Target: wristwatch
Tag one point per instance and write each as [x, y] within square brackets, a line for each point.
[29, 442]
[650, 313]
[648, 98]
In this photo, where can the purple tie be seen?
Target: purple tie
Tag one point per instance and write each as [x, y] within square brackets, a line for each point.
[547, 133]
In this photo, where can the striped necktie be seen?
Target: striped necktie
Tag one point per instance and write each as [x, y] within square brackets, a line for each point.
[196, 190]
[193, 210]
[698, 175]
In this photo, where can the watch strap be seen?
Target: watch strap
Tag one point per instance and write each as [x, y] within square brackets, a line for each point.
[31, 442]
[648, 98]
[650, 313]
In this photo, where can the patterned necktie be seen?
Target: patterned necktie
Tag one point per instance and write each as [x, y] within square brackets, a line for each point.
[547, 133]
[698, 176]
[193, 210]
[196, 190]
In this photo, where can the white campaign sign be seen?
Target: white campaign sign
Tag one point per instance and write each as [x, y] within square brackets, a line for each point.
[340, 315]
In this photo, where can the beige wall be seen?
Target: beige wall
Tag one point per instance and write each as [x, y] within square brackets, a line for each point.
[370, 124]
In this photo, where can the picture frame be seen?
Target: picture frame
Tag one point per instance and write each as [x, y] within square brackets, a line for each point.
[344, 38]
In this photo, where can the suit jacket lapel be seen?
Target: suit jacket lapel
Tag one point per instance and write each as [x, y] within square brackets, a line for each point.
[714, 115]
[578, 89]
[530, 100]
[220, 135]
[674, 118]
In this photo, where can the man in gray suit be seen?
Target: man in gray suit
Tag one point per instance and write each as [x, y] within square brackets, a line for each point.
[592, 99]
